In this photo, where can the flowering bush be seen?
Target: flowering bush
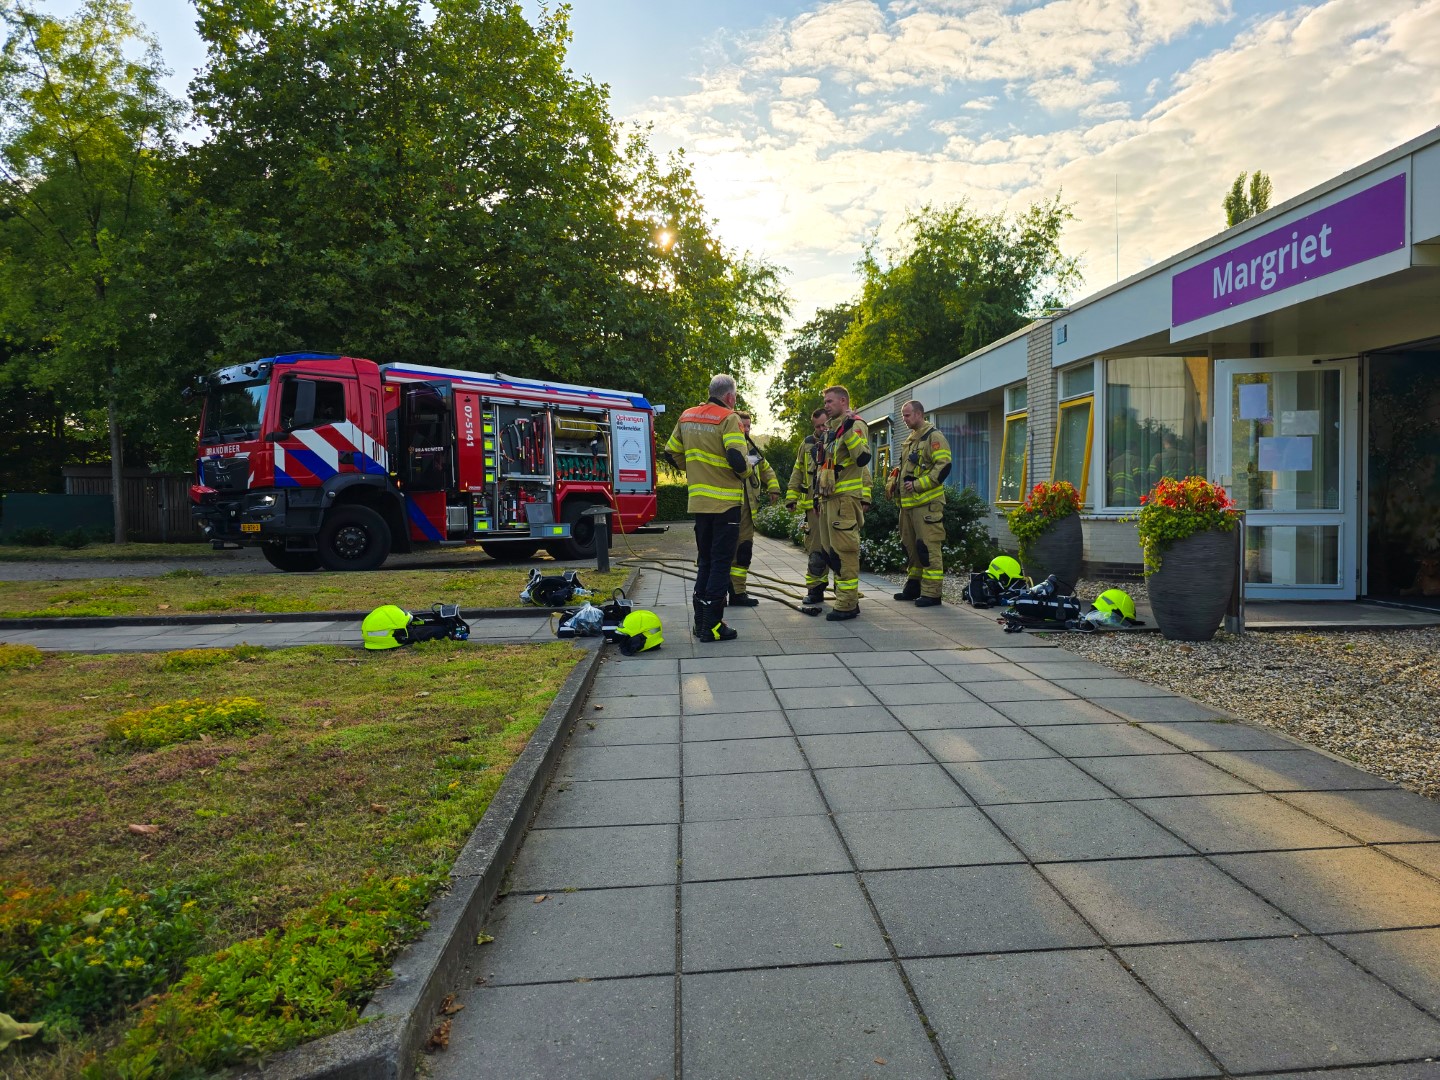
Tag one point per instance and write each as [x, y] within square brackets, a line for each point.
[19, 657]
[188, 718]
[1175, 509]
[76, 960]
[1043, 507]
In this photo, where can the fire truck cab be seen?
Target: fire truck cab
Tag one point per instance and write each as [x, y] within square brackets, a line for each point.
[333, 462]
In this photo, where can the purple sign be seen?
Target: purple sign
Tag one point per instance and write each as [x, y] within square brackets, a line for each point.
[1367, 224]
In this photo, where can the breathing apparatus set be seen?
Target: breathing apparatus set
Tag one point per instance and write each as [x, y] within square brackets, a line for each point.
[391, 627]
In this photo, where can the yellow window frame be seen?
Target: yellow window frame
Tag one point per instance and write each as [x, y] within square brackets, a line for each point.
[1024, 463]
[1088, 399]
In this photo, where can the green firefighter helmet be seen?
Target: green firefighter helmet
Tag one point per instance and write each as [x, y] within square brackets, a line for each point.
[1112, 600]
[639, 631]
[386, 627]
[1004, 569]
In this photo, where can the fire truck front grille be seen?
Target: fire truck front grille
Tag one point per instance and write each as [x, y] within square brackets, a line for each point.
[227, 474]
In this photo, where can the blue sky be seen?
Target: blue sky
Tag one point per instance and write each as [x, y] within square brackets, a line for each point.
[816, 125]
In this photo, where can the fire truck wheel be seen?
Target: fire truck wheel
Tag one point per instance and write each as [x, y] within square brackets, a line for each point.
[353, 538]
[510, 551]
[292, 562]
[581, 543]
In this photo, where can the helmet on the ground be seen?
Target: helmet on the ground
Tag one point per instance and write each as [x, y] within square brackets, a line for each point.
[639, 631]
[1112, 600]
[386, 627]
[1004, 569]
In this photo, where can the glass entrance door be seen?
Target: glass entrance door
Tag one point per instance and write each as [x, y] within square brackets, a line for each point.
[1287, 451]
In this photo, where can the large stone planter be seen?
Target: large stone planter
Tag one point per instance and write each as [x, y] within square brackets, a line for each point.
[1059, 551]
[1190, 591]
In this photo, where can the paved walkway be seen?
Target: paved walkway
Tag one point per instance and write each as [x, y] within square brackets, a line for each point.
[911, 846]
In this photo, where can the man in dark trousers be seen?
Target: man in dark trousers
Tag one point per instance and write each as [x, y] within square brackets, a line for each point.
[708, 445]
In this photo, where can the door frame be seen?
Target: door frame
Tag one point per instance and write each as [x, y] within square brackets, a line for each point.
[1348, 516]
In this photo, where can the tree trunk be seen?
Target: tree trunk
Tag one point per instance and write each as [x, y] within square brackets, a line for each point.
[117, 470]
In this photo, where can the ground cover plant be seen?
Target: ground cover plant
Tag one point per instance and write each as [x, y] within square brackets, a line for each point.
[170, 907]
[191, 592]
[11, 550]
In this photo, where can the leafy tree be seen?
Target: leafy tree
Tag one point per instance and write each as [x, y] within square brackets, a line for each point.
[84, 128]
[795, 393]
[1240, 204]
[959, 281]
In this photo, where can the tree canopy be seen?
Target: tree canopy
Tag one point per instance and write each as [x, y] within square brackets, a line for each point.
[1240, 203]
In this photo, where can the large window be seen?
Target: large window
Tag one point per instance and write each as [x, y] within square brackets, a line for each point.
[1156, 423]
[1074, 427]
[1012, 447]
[969, 436]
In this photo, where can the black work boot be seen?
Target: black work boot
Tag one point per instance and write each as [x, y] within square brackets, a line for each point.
[911, 590]
[740, 599]
[700, 606]
[841, 616]
[712, 625]
[815, 596]
[928, 601]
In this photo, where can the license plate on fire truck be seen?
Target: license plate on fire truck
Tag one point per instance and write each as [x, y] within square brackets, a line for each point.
[249, 527]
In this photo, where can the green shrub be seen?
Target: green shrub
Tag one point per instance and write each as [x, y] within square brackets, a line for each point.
[670, 502]
[74, 961]
[188, 718]
[31, 536]
[967, 545]
[303, 980]
[74, 538]
[19, 657]
[192, 659]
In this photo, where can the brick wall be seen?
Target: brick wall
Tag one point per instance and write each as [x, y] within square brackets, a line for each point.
[1040, 387]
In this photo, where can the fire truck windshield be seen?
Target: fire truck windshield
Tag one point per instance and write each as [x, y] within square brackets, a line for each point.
[234, 411]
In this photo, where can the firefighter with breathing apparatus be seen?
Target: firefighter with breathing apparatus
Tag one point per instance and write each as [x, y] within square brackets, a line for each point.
[841, 491]
[760, 482]
[918, 486]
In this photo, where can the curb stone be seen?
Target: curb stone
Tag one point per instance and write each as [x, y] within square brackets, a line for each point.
[402, 1014]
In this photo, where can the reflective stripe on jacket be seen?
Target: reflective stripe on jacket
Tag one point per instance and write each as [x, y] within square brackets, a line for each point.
[842, 447]
[700, 439]
[933, 451]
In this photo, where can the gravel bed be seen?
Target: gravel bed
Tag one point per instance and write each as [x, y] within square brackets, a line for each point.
[1370, 696]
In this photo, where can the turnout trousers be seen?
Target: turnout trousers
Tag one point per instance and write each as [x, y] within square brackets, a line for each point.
[817, 569]
[715, 538]
[840, 522]
[744, 552]
[922, 532]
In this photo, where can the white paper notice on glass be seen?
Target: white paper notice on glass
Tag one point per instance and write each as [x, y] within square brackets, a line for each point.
[1254, 401]
[1300, 422]
[1287, 453]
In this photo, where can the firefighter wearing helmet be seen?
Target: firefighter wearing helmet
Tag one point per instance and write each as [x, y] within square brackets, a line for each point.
[920, 491]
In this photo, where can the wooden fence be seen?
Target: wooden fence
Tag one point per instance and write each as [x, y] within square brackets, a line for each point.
[157, 505]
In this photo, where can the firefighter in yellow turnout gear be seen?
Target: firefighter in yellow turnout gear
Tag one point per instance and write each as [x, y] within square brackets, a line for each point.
[919, 488]
[759, 483]
[841, 490]
[800, 495]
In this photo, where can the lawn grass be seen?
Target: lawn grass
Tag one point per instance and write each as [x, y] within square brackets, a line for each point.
[191, 592]
[131, 552]
[367, 763]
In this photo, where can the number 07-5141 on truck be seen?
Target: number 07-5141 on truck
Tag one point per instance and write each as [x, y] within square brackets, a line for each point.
[334, 462]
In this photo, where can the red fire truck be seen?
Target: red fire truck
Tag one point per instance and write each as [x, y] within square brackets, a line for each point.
[335, 462]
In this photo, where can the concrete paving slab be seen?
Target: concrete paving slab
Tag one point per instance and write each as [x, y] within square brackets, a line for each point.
[764, 847]
[593, 934]
[956, 656]
[732, 662]
[798, 678]
[626, 685]
[774, 922]
[1293, 770]
[602, 729]
[910, 675]
[1000, 671]
[1235, 823]
[1318, 1008]
[1047, 712]
[873, 748]
[703, 685]
[619, 664]
[765, 724]
[648, 705]
[1408, 960]
[752, 795]
[613, 1030]
[620, 762]
[943, 836]
[969, 714]
[1073, 1015]
[1339, 890]
[1149, 901]
[783, 662]
[1099, 829]
[983, 744]
[610, 802]
[599, 858]
[839, 720]
[1019, 690]
[817, 697]
[1068, 669]
[742, 756]
[731, 704]
[1025, 781]
[1100, 740]
[1110, 688]
[1026, 648]
[1161, 774]
[883, 659]
[1161, 708]
[1424, 857]
[937, 693]
[802, 647]
[1376, 817]
[1414, 1070]
[838, 1021]
[889, 787]
[974, 909]
[1218, 735]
